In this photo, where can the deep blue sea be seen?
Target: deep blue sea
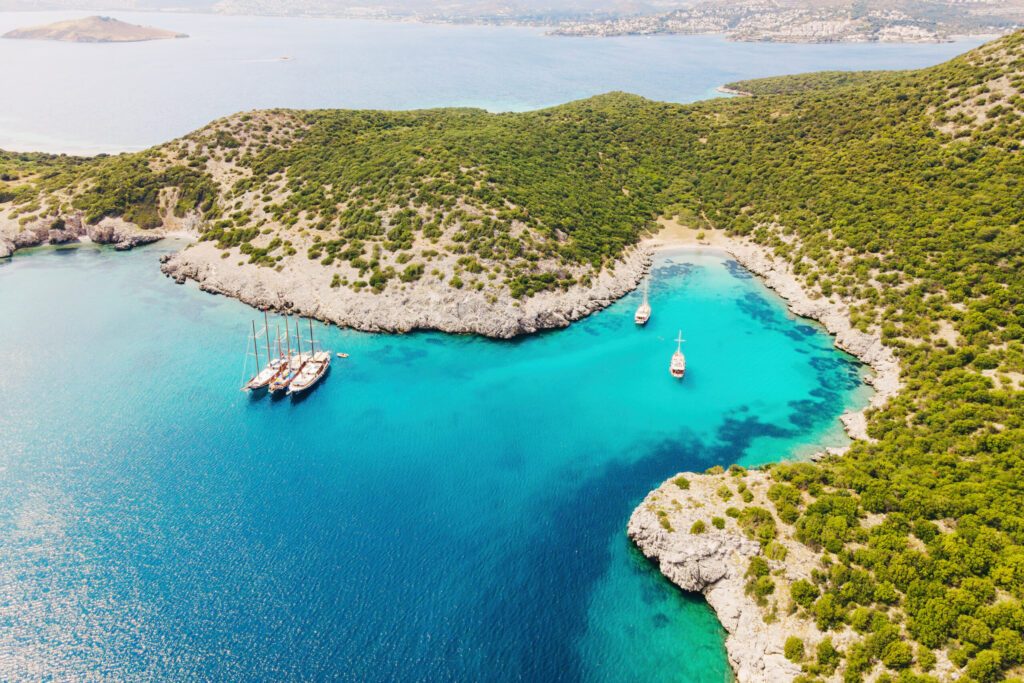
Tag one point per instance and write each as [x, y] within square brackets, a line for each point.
[88, 98]
[440, 508]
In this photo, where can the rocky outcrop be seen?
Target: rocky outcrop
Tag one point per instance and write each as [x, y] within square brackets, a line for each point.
[121, 234]
[403, 307]
[67, 229]
[714, 563]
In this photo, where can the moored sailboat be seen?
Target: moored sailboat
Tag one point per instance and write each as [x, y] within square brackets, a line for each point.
[265, 375]
[293, 364]
[313, 370]
[643, 311]
[678, 365]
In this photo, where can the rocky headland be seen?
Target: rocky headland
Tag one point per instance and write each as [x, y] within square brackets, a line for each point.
[426, 304]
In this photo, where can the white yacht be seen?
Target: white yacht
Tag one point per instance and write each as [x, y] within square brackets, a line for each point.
[643, 311]
[678, 365]
[274, 366]
[313, 370]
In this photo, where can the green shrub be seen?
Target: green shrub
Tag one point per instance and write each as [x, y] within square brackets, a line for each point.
[794, 649]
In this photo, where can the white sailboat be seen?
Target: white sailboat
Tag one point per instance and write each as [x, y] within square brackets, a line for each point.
[313, 370]
[678, 365]
[293, 364]
[265, 375]
[643, 311]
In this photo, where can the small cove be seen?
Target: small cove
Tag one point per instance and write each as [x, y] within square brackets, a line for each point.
[441, 508]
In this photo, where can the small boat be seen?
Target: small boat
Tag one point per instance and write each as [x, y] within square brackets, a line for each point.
[643, 311]
[313, 370]
[342, 355]
[678, 365]
[272, 369]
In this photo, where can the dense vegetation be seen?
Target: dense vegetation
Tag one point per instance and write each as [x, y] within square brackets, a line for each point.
[898, 192]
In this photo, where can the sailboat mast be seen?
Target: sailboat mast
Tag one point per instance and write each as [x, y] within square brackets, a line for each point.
[298, 340]
[255, 347]
[312, 345]
[266, 333]
[277, 335]
[287, 338]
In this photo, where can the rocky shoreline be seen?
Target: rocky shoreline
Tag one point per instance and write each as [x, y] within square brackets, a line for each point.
[425, 305]
[714, 563]
[71, 230]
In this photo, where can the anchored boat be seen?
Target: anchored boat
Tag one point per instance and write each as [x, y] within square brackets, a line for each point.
[678, 365]
[272, 369]
[294, 364]
[313, 370]
[643, 311]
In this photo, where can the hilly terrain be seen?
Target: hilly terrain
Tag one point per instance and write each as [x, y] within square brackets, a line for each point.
[897, 194]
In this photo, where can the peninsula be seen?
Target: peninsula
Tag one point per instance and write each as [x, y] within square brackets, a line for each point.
[94, 29]
[885, 204]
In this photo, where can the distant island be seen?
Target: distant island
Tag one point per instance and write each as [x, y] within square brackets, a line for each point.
[93, 29]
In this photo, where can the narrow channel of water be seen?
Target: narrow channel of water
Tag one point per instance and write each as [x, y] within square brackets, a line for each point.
[440, 508]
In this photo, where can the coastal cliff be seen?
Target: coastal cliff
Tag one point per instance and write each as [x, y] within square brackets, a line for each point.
[714, 562]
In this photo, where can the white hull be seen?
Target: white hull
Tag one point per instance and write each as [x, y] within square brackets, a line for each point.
[311, 373]
[286, 378]
[677, 368]
[265, 376]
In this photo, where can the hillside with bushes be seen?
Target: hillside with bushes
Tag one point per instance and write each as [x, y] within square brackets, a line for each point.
[900, 193]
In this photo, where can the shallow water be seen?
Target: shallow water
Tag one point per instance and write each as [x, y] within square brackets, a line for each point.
[88, 98]
[439, 508]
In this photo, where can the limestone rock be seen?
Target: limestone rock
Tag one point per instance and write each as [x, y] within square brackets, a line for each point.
[305, 290]
[713, 563]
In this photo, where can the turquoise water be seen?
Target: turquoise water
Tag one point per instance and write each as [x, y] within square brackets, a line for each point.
[440, 508]
[65, 97]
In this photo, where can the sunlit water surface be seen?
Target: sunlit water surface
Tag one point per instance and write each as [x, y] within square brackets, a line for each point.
[87, 98]
[440, 508]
